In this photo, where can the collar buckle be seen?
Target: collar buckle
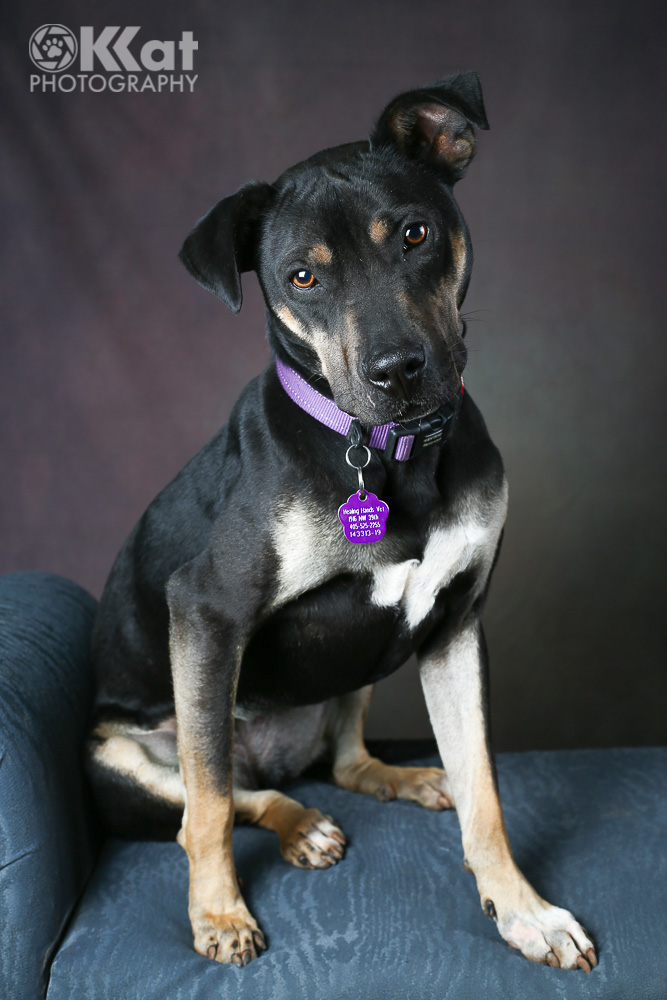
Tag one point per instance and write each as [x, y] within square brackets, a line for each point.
[427, 432]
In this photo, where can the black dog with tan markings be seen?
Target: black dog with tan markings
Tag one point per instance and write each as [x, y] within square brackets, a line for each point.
[243, 624]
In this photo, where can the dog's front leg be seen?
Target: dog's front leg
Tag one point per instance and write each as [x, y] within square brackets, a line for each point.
[206, 649]
[452, 670]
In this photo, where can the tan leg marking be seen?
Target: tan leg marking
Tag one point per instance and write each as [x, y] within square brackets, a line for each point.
[308, 839]
[543, 933]
[355, 769]
[118, 746]
[426, 785]
[223, 928]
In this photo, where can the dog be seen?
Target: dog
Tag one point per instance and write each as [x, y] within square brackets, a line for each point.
[254, 605]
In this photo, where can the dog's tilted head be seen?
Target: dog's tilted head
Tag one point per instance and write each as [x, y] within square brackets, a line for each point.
[363, 256]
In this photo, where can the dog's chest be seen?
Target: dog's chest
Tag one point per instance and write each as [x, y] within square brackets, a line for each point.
[413, 584]
[346, 615]
[311, 551]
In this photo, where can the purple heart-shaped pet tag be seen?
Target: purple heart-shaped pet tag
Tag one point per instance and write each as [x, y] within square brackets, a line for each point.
[363, 517]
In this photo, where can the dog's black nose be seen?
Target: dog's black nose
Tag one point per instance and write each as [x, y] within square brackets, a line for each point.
[397, 371]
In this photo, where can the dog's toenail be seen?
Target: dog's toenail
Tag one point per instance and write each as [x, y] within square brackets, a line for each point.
[583, 964]
[237, 960]
[592, 957]
[490, 909]
[212, 951]
[552, 960]
[246, 957]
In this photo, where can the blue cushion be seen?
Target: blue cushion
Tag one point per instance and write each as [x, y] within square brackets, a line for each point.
[46, 691]
[398, 918]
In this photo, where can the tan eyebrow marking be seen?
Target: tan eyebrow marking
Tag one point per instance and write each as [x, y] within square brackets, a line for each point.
[321, 254]
[378, 230]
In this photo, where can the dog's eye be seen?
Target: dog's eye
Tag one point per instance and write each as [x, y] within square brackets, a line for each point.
[303, 279]
[414, 235]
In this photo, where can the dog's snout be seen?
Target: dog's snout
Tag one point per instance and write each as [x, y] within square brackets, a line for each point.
[397, 371]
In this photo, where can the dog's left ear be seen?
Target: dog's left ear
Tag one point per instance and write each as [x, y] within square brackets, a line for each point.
[435, 123]
[224, 243]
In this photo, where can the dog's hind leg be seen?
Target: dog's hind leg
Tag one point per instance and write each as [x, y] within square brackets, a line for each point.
[134, 774]
[308, 839]
[140, 792]
[356, 770]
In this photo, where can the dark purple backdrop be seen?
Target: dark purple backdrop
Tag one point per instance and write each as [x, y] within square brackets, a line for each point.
[116, 367]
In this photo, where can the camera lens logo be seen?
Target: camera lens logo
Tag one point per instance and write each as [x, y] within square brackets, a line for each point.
[53, 47]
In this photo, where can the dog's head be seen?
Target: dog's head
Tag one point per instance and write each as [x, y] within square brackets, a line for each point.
[363, 256]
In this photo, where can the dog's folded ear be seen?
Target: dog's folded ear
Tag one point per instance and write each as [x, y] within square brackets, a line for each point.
[223, 244]
[435, 123]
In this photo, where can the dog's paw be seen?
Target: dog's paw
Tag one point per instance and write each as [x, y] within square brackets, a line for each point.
[548, 935]
[312, 841]
[228, 937]
[426, 785]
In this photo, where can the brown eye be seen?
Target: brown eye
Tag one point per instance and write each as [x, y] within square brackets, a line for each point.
[415, 234]
[303, 279]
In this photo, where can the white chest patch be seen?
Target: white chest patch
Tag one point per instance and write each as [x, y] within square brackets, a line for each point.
[305, 543]
[311, 549]
[415, 584]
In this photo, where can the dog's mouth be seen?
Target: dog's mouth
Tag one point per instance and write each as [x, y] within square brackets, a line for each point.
[371, 412]
[372, 406]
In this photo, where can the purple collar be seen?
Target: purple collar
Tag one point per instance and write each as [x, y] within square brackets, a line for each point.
[397, 440]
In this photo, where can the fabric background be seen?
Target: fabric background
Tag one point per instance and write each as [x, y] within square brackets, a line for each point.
[115, 367]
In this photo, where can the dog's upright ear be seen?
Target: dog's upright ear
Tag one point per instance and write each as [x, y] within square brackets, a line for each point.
[435, 123]
[223, 244]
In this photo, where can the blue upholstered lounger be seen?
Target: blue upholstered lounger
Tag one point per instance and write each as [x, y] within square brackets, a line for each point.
[84, 918]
